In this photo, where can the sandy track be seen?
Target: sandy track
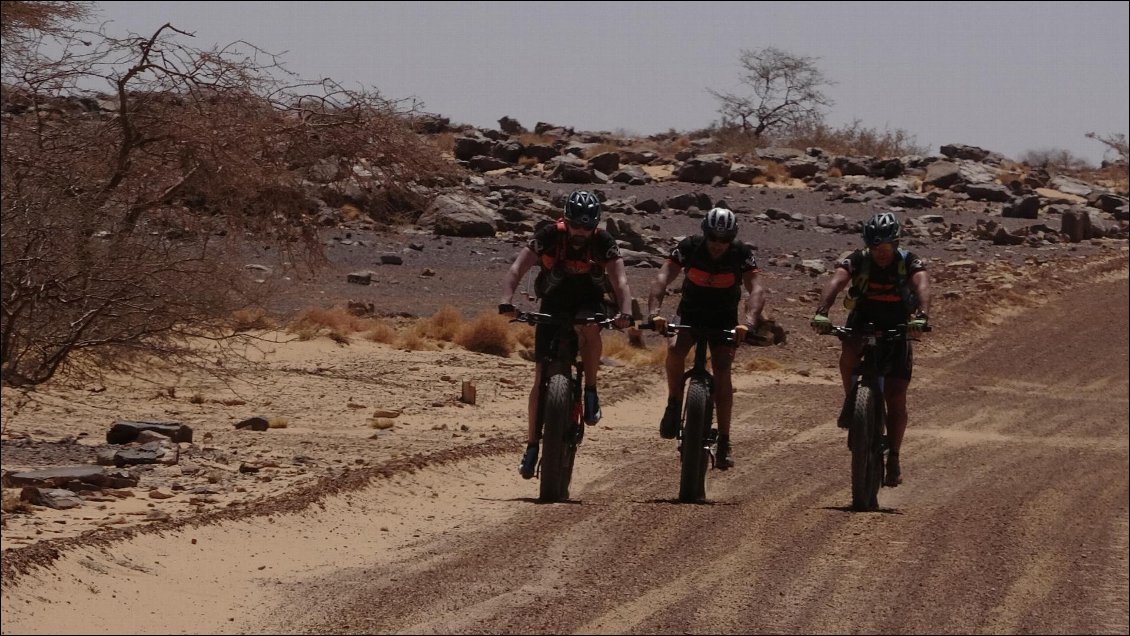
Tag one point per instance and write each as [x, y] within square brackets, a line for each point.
[1013, 519]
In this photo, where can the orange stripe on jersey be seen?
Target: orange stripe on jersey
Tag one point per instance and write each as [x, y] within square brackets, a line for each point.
[706, 279]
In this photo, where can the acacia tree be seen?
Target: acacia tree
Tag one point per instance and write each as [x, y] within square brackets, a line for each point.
[787, 92]
[1115, 142]
[127, 213]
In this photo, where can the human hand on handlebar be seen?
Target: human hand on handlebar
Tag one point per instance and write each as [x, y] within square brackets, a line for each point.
[659, 324]
[740, 334]
[821, 324]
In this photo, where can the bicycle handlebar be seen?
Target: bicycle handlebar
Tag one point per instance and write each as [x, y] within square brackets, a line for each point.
[899, 331]
[728, 335]
[535, 318]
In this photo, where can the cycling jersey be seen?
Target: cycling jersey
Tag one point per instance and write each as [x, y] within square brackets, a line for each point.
[886, 297]
[571, 277]
[712, 286]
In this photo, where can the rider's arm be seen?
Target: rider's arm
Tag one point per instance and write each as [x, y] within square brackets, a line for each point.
[756, 301]
[618, 277]
[667, 273]
[526, 259]
[920, 280]
[840, 279]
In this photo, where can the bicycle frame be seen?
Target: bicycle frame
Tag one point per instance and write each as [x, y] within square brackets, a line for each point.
[559, 424]
[698, 439]
[867, 431]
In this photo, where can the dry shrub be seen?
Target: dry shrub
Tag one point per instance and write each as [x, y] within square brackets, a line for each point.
[523, 335]
[413, 341]
[835, 172]
[734, 140]
[853, 139]
[381, 423]
[489, 333]
[251, 318]
[13, 503]
[444, 142]
[335, 323]
[618, 345]
[529, 139]
[104, 212]
[444, 325]
[381, 332]
[350, 212]
[527, 161]
[600, 149]
[774, 173]
[277, 422]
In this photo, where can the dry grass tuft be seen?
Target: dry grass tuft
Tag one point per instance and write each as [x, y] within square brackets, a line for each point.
[413, 341]
[444, 325]
[277, 422]
[445, 142]
[774, 173]
[381, 332]
[381, 423]
[489, 333]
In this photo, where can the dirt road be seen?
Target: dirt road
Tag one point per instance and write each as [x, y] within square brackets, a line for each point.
[1013, 519]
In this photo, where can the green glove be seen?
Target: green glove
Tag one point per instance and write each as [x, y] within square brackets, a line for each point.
[918, 324]
[821, 324]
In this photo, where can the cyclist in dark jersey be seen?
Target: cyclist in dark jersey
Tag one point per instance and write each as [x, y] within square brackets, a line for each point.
[717, 267]
[889, 287]
[576, 260]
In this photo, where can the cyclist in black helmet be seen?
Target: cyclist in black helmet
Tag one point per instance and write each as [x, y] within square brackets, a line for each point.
[888, 287]
[576, 259]
[717, 267]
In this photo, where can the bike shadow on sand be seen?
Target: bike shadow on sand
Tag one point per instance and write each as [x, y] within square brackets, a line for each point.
[879, 510]
[535, 500]
[676, 502]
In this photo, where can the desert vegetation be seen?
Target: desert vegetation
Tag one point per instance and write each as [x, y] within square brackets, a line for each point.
[137, 170]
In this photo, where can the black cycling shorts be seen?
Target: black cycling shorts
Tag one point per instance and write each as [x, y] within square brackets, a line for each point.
[544, 334]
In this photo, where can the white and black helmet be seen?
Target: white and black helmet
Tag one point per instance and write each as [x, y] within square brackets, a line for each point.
[881, 228]
[720, 223]
[583, 209]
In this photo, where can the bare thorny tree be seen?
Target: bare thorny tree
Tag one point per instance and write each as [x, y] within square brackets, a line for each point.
[136, 173]
[787, 93]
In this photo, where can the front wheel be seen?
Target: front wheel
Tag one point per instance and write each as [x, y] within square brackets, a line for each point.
[695, 454]
[557, 441]
[865, 439]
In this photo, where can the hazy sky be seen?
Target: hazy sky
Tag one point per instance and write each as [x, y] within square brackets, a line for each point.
[1007, 76]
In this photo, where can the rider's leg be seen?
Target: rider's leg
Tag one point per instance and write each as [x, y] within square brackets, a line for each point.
[849, 359]
[591, 347]
[532, 413]
[677, 349]
[894, 391]
[722, 360]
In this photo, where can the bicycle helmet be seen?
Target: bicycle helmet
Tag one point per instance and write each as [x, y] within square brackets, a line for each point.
[583, 209]
[881, 228]
[720, 223]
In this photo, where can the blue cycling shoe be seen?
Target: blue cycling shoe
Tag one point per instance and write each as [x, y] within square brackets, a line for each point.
[528, 467]
[592, 406]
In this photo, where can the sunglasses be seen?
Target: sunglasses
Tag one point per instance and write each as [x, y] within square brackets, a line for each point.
[720, 238]
[579, 227]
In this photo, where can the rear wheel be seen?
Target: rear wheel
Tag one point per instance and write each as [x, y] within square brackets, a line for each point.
[556, 441]
[695, 455]
[865, 439]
